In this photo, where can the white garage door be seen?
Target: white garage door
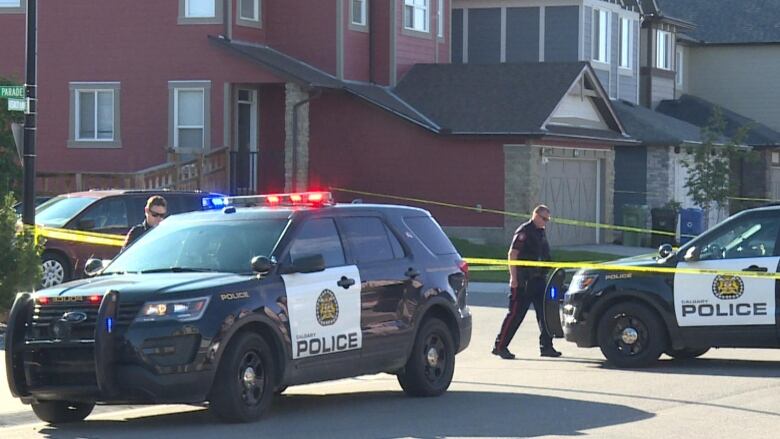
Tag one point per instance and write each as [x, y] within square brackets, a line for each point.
[570, 187]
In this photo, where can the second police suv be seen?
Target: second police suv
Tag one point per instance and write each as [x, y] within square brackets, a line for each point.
[234, 305]
[636, 316]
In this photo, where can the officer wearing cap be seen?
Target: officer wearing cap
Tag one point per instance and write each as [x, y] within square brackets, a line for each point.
[527, 284]
[155, 211]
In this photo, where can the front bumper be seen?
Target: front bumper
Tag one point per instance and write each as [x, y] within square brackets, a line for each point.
[465, 332]
[577, 327]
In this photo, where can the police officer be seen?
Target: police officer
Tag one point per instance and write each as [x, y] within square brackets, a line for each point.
[155, 211]
[527, 284]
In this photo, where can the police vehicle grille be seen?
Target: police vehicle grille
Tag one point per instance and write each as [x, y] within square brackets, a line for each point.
[45, 316]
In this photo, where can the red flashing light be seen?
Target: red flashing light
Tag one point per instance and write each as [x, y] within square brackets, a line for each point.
[295, 198]
[315, 197]
[43, 300]
[311, 199]
[273, 199]
[94, 299]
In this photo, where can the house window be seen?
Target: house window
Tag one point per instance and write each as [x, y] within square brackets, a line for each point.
[200, 11]
[600, 36]
[359, 15]
[249, 10]
[12, 6]
[664, 50]
[440, 19]
[626, 43]
[94, 115]
[416, 15]
[679, 68]
[189, 113]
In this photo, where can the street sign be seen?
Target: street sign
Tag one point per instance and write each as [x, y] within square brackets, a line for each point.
[13, 91]
[17, 105]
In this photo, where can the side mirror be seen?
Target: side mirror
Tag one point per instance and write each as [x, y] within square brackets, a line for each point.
[86, 224]
[692, 255]
[261, 265]
[93, 266]
[307, 264]
[665, 250]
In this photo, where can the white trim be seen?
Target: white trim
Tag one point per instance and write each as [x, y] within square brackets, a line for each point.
[440, 19]
[667, 45]
[625, 43]
[418, 5]
[363, 19]
[679, 67]
[465, 33]
[177, 127]
[502, 56]
[541, 33]
[605, 25]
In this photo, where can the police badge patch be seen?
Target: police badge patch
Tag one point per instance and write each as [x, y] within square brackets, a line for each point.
[327, 308]
[728, 287]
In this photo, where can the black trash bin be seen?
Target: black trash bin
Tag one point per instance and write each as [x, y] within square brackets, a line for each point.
[664, 220]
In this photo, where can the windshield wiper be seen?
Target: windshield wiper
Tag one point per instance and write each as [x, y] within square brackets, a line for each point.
[177, 270]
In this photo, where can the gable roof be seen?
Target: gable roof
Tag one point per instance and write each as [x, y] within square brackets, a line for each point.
[654, 128]
[698, 111]
[728, 21]
[497, 98]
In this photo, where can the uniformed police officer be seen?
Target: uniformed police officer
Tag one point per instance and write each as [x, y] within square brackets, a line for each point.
[155, 211]
[527, 284]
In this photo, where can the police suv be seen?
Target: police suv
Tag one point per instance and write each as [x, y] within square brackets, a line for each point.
[234, 305]
[635, 316]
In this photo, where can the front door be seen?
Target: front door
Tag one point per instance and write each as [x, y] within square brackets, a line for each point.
[246, 138]
[745, 244]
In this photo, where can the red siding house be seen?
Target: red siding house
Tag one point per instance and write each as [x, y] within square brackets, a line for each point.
[252, 96]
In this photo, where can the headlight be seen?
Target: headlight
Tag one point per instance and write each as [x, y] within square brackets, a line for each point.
[581, 282]
[185, 310]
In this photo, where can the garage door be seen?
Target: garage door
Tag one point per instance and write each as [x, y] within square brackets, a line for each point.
[571, 189]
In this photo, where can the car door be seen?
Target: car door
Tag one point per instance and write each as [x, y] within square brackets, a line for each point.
[746, 244]
[109, 216]
[323, 306]
[383, 265]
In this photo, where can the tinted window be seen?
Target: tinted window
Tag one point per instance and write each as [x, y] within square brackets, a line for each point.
[319, 236]
[58, 211]
[429, 232]
[749, 237]
[110, 213]
[369, 239]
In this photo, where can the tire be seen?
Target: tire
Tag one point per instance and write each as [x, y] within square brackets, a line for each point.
[56, 269]
[62, 412]
[429, 369]
[631, 335]
[687, 353]
[244, 385]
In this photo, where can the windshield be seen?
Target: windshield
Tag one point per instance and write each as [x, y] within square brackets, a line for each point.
[201, 246]
[741, 237]
[59, 210]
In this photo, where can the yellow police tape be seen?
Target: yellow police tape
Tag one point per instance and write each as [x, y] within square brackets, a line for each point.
[621, 268]
[521, 215]
[79, 236]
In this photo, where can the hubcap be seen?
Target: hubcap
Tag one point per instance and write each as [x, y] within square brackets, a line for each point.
[629, 336]
[433, 357]
[251, 378]
[53, 273]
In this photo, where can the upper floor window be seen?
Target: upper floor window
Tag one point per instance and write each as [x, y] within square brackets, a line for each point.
[200, 11]
[600, 36]
[94, 109]
[663, 51]
[189, 114]
[440, 19]
[626, 43]
[12, 6]
[679, 68]
[416, 15]
[359, 12]
[249, 10]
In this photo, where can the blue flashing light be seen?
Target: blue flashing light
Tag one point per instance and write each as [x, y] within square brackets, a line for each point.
[214, 202]
[553, 293]
[109, 324]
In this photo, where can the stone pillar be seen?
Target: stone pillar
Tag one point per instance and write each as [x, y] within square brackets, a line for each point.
[521, 184]
[296, 157]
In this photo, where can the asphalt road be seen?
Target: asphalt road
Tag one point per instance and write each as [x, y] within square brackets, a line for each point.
[726, 393]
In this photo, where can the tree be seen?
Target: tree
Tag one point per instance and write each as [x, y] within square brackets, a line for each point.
[709, 166]
[20, 255]
[10, 166]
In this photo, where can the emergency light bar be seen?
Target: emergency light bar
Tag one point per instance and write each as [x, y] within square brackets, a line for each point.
[290, 199]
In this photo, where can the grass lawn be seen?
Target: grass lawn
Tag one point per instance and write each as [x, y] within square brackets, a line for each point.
[479, 273]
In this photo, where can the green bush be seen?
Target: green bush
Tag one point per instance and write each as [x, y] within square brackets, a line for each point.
[20, 256]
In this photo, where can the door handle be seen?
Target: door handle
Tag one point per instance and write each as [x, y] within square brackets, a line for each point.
[411, 273]
[345, 282]
[755, 268]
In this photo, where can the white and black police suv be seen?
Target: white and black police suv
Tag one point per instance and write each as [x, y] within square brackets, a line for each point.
[634, 317]
[232, 306]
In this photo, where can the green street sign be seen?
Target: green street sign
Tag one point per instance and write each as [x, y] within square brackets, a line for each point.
[13, 91]
[17, 105]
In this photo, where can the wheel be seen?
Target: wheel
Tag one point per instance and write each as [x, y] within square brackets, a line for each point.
[429, 369]
[244, 384]
[687, 353]
[56, 270]
[631, 335]
[61, 412]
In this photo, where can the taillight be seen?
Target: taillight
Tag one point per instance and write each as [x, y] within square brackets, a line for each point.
[464, 267]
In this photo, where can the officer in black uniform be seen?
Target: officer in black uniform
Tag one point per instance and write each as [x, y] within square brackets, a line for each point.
[155, 211]
[527, 284]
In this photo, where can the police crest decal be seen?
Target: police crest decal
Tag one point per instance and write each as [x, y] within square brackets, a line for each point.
[728, 287]
[327, 308]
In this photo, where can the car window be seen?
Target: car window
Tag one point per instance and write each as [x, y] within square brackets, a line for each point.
[319, 236]
[369, 239]
[431, 234]
[750, 237]
[110, 213]
[59, 210]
